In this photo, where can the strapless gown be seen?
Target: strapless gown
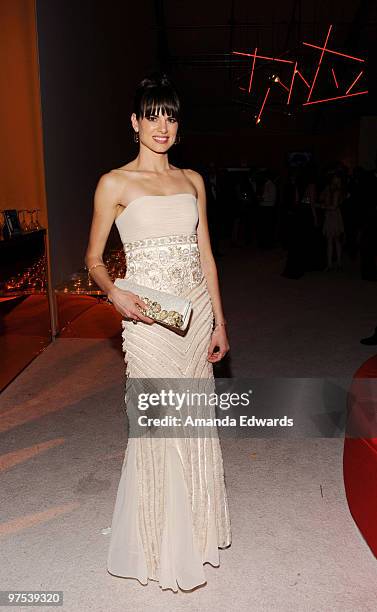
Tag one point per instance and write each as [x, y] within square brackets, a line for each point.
[171, 510]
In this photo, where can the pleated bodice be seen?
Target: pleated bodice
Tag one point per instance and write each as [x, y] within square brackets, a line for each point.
[160, 242]
[152, 216]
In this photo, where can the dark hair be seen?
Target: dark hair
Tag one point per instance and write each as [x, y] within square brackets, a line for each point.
[156, 92]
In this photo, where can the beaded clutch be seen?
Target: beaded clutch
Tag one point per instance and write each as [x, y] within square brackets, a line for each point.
[165, 308]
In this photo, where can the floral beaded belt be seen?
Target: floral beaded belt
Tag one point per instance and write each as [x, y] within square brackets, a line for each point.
[166, 263]
[180, 239]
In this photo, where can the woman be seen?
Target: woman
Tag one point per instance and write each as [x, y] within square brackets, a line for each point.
[267, 211]
[332, 198]
[243, 203]
[171, 510]
[302, 253]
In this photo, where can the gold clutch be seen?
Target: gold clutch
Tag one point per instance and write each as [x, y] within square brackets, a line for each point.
[165, 308]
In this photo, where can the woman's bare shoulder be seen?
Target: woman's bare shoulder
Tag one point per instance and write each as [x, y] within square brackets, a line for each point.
[191, 173]
[123, 176]
[195, 178]
[119, 175]
[110, 187]
[109, 180]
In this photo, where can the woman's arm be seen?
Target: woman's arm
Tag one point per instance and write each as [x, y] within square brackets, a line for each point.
[106, 198]
[219, 336]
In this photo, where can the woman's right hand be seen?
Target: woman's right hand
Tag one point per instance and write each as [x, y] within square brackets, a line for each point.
[127, 302]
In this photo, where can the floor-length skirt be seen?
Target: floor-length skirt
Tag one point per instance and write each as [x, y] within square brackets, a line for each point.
[171, 510]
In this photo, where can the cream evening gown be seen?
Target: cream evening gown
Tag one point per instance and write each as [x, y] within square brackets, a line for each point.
[171, 510]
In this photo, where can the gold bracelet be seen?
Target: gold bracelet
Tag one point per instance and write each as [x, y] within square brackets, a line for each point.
[95, 266]
[221, 324]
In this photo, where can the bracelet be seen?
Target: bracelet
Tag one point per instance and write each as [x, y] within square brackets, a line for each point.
[95, 266]
[221, 324]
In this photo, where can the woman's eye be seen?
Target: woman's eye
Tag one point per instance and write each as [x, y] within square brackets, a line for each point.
[153, 117]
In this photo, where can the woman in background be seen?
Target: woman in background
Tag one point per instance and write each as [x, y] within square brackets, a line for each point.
[332, 198]
[302, 255]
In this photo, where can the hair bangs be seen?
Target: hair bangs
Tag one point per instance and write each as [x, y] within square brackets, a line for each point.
[154, 102]
[154, 95]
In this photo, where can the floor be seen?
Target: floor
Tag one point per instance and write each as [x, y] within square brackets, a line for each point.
[295, 545]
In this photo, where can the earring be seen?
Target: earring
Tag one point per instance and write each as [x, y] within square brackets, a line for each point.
[136, 136]
[177, 139]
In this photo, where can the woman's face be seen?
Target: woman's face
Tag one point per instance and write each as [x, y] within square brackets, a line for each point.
[156, 131]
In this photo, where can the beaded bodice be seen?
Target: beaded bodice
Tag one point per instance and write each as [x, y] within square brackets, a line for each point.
[160, 242]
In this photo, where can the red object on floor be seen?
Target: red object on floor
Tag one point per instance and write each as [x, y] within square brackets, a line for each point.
[360, 453]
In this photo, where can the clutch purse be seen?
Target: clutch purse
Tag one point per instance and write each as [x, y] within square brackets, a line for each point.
[165, 308]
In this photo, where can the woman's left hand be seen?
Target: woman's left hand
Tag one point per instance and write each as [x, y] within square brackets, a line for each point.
[219, 340]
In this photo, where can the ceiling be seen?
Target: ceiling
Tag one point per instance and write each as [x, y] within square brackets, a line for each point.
[196, 46]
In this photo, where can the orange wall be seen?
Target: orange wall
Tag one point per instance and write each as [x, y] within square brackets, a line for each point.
[21, 153]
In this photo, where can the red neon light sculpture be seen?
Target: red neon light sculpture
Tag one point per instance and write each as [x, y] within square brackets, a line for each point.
[357, 59]
[252, 68]
[264, 102]
[301, 77]
[291, 86]
[336, 82]
[296, 71]
[319, 65]
[359, 93]
[355, 81]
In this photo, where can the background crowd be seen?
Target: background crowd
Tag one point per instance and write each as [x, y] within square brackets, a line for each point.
[315, 213]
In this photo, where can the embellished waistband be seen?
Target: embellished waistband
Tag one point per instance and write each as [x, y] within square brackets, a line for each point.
[161, 241]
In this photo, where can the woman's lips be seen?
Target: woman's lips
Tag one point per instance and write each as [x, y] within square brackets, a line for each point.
[160, 139]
